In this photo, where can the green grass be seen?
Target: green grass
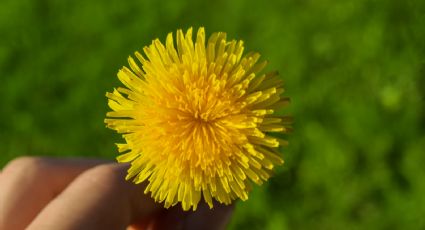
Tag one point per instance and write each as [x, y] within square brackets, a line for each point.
[355, 71]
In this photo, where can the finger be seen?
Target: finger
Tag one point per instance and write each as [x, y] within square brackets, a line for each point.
[209, 219]
[27, 184]
[99, 198]
[172, 218]
[203, 218]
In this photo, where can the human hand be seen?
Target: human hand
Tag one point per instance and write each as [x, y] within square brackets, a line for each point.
[49, 193]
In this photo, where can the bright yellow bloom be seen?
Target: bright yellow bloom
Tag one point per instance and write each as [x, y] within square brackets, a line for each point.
[197, 119]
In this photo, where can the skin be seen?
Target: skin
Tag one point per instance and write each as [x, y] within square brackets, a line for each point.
[48, 193]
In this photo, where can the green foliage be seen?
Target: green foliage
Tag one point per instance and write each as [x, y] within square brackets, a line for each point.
[354, 70]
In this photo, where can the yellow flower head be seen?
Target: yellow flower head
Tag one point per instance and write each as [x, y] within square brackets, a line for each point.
[197, 119]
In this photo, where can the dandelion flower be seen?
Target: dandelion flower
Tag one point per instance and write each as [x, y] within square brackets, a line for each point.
[198, 119]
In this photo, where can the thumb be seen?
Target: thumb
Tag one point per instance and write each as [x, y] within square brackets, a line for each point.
[99, 198]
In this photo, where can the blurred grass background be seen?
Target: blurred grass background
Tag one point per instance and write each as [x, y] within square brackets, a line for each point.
[355, 71]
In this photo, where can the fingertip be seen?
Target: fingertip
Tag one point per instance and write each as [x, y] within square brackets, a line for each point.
[209, 219]
[203, 218]
[146, 222]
